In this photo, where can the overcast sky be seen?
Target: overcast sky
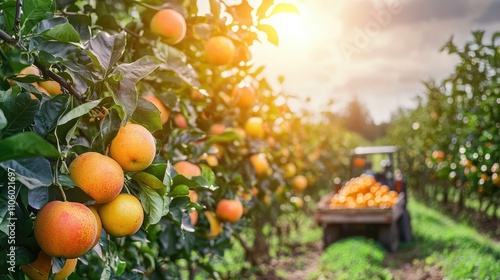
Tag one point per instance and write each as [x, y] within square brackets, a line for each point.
[378, 50]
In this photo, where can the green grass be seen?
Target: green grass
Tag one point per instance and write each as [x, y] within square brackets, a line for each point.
[460, 250]
[352, 258]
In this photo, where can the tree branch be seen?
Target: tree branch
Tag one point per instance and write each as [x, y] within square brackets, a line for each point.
[46, 72]
[19, 11]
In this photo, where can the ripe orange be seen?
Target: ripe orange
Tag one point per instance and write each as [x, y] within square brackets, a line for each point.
[229, 210]
[122, 216]
[65, 229]
[219, 50]
[359, 162]
[134, 147]
[42, 89]
[52, 87]
[438, 155]
[259, 163]
[217, 129]
[211, 160]
[99, 224]
[193, 215]
[196, 95]
[244, 95]
[297, 201]
[180, 121]
[169, 24]
[290, 170]
[41, 267]
[215, 224]
[99, 176]
[193, 196]
[164, 113]
[30, 70]
[254, 127]
[187, 169]
[299, 183]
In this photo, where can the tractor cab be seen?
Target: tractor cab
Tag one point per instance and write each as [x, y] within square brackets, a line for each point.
[382, 162]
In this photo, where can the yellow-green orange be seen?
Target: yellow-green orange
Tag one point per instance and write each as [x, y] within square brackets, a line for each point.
[259, 163]
[65, 229]
[40, 268]
[99, 176]
[299, 183]
[169, 24]
[254, 127]
[52, 87]
[134, 147]
[215, 224]
[122, 216]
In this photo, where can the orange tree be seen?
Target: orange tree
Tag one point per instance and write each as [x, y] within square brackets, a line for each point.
[114, 104]
[453, 135]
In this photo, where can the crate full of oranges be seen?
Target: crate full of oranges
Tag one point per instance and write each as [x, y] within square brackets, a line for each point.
[364, 192]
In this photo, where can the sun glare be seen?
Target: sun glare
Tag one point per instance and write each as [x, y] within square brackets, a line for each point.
[291, 28]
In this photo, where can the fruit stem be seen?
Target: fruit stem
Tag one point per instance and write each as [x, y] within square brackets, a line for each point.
[56, 180]
[145, 5]
[62, 192]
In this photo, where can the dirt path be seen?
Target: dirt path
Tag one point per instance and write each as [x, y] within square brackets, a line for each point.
[402, 265]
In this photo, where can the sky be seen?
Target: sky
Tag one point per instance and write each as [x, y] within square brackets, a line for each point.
[378, 51]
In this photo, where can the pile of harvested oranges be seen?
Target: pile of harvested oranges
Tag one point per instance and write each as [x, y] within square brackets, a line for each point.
[362, 192]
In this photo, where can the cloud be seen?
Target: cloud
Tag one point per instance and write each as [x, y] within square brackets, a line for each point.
[387, 71]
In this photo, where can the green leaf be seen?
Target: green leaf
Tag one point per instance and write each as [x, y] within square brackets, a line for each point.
[177, 207]
[175, 61]
[26, 145]
[3, 121]
[31, 172]
[204, 182]
[108, 49]
[50, 111]
[63, 32]
[160, 171]
[34, 11]
[284, 8]
[152, 203]
[50, 23]
[109, 128]
[180, 190]
[272, 35]
[106, 273]
[20, 113]
[209, 174]
[79, 111]
[227, 136]
[38, 197]
[82, 24]
[147, 115]
[149, 180]
[124, 92]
